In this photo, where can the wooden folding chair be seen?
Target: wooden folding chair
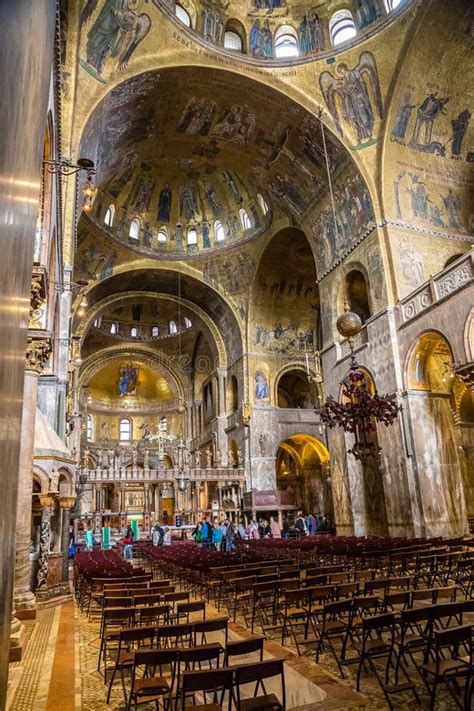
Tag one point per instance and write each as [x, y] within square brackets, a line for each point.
[258, 673]
[150, 686]
[209, 681]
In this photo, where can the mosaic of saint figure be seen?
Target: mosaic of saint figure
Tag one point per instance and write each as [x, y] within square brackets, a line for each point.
[261, 385]
[164, 204]
[187, 202]
[128, 380]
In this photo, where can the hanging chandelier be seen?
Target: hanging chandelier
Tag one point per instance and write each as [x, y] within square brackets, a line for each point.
[360, 407]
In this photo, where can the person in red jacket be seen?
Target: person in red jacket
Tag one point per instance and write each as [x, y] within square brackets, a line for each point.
[127, 541]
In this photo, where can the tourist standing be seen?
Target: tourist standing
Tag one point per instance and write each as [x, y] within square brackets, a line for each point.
[217, 536]
[167, 537]
[274, 528]
[197, 534]
[241, 530]
[89, 538]
[127, 541]
[229, 536]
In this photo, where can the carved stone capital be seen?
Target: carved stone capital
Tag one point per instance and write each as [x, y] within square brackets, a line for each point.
[67, 502]
[37, 353]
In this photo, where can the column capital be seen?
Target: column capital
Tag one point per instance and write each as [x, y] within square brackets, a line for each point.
[221, 372]
[46, 500]
[67, 502]
[38, 351]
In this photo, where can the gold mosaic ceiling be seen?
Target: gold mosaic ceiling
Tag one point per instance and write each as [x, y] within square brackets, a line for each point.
[186, 147]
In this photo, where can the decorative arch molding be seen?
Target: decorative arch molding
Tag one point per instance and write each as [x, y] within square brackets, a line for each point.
[291, 443]
[159, 362]
[343, 270]
[412, 349]
[94, 311]
[300, 367]
[66, 474]
[42, 477]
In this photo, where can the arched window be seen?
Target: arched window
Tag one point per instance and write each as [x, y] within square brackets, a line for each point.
[97, 323]
[125, 430]
[286, 42]
[233, 41]
[342, 27]
[155, 331]
[192, 236]
[134, 232]
[109, 215]
[183, 15]
[90, 428]
[392, 4]
[163, 425]
[162, 234]
[219, 231]
[263, 204]
[134, 332]
[187, 322]
[172, 328]
[113, 328]
[245, 219]
[356, 290]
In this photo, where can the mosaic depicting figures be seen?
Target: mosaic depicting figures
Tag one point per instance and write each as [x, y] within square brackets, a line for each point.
[335, 232]
[236, 125]
[367, 12]
[213, 26]
[114, 35]
[261, 391]
[429, 126]
[413, 201]
[128, 380]
[311, 34]
[353, 94]
[196, 117]
[261, 40]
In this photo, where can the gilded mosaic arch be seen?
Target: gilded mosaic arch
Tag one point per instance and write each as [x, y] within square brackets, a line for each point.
[86, 322]
[161, 364]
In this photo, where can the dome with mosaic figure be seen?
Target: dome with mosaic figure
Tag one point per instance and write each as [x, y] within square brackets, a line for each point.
[185, 211]
[283, 30]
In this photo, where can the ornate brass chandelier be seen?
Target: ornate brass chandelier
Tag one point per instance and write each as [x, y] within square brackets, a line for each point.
[360, 407]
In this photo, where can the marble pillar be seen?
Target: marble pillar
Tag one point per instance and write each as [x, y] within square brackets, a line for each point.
[23, 599]
[47, 503]
[66, 503]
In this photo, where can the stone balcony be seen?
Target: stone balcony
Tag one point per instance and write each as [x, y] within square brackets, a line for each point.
[456, 276]
[157, 476]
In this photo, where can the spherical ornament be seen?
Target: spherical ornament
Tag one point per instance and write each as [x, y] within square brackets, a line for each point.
[349, 324]
[180, 409]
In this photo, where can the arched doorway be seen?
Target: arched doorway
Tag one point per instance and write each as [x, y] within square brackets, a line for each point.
[302, 469]
[293, 390]
[437, 402]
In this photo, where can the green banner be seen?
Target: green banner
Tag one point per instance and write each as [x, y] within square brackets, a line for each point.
[134, 525]
[106, 538]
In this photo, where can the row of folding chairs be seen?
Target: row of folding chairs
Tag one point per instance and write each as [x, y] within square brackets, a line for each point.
[435, 640]
[175, 675]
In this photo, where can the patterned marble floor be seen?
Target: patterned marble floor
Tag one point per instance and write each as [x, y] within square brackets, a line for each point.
[59, 673]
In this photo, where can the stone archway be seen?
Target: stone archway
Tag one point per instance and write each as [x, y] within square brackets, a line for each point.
[302, 470]
[435, 396]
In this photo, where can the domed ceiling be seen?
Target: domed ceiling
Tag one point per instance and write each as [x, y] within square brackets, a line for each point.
[189, 149]
[258, 24]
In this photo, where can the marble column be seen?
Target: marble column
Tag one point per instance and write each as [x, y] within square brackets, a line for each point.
[47, 503]
[66, 503]
[24, 601]
[221, 390]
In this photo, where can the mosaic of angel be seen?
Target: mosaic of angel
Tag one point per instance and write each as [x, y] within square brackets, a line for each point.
[354, 93]
[117, 31]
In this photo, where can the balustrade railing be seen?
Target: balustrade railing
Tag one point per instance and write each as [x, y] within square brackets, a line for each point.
[455, 277]
[163, 475]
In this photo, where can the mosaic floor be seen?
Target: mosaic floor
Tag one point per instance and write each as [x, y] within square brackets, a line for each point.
[59, 673]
